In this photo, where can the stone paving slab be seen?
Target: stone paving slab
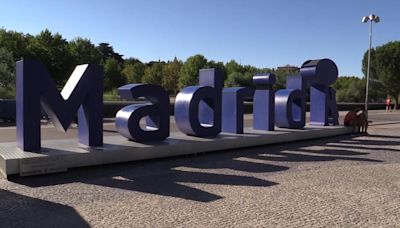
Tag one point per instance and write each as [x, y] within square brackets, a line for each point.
[344, 181]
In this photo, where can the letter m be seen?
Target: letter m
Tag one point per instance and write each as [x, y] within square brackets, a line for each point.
[82, 94]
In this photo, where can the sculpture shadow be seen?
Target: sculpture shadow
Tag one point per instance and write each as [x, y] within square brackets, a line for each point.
[172, 176]
[355, 146]
[373, 142]
[384, 136]
[23, 211]
[158, 177]
[314, 156]
[110, 131]
[377, 124]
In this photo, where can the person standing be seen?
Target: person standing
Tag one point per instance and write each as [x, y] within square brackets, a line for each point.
[388, 104]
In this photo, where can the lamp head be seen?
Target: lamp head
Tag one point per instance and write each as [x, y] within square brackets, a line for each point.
[372, 17]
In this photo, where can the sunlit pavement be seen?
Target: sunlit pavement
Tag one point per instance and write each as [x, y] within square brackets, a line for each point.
[347, 181]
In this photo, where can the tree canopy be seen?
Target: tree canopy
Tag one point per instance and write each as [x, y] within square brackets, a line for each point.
[189, 74]
[385, 67]
[133, 72]
[112, 75]
[153, 74]
[60, 57]
[7, 69]
[7, 72]
[171, 76]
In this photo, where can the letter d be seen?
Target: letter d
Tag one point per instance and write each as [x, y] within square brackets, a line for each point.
[198, 108]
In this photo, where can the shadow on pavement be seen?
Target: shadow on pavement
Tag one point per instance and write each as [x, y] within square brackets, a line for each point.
[144, 177]
[7, 124]
[168, 177]
[23, 211]
[378, 124]
[371, 142]
[384, 136]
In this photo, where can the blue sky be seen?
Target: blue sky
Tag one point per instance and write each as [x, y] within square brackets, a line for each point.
[263, 33]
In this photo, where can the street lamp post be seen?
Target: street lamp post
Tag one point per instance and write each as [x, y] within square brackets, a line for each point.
[370, 18]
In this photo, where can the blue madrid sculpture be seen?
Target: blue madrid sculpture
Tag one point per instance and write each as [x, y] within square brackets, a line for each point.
[82, 94]
[264, 102]
[321, 73]
[202, 110]
[316, 75]
[233, 108]
[198, 108]
[155, 111]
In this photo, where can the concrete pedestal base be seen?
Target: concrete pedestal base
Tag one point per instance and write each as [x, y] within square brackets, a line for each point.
[59, 155]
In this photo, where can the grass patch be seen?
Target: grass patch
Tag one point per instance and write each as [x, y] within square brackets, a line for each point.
[111, 95]
[7, 93]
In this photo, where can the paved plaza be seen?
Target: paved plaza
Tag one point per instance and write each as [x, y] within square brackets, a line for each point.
[346, 181]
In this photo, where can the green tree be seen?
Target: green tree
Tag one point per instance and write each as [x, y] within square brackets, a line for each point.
[52, 51]
[281, 75]
[189, 74]
[385, 66]
[7, 70]
[233, 66]
[350, 89]
[133, 72]
[217, 65]
[253, 70]
[372, 72]
[356, 91]
[16, 43]
[171, 75]
[153, 74]
[107, 51]
[377, 91]
[7, 74]
[112, 75]
[131, 61]
[242, 75]
[83, 51]
[236, 79]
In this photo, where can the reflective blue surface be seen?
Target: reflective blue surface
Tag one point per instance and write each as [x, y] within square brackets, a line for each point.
[233, 109]
[198, 108]
[318, 75]
[319, 72]
[187, 111]
[156, 112]
[83, 93]
[290, 105]
[264, 80]
[264, 102]
[322, 73]
[213, 78]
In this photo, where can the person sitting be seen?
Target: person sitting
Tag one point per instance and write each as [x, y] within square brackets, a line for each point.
[350, 117]
[361, 122]
[358, 121]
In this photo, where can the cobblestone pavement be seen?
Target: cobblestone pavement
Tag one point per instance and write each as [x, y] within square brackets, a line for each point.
[347, 181]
